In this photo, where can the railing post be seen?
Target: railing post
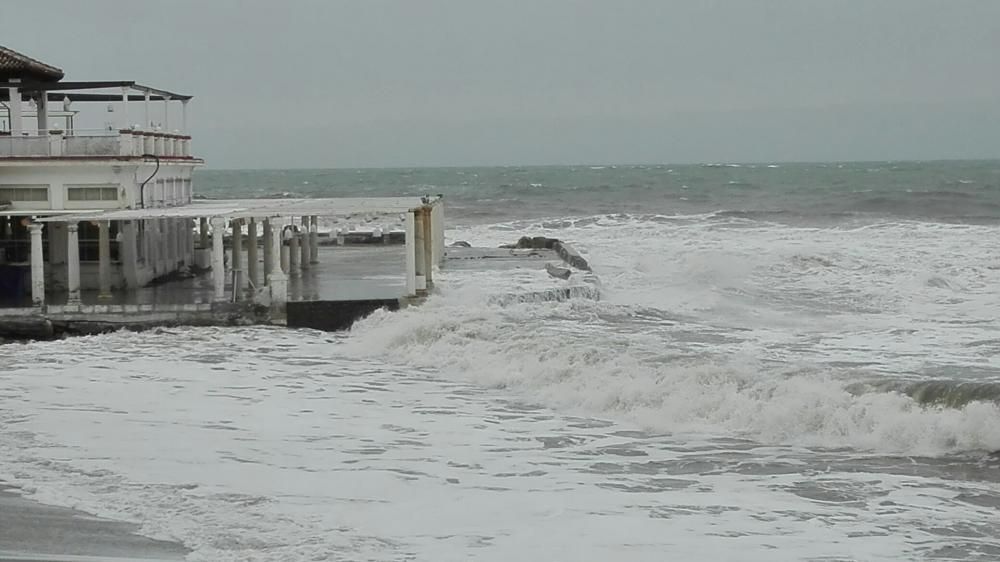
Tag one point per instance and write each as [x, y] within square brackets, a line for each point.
[37, 265]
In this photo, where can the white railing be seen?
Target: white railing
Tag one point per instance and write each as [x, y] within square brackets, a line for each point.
[95, 143]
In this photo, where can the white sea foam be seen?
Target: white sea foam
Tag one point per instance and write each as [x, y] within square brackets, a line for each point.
[701, 410]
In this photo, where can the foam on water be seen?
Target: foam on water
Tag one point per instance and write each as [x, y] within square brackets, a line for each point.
[738, 392]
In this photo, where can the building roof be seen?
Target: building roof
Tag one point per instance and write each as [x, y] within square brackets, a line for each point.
[247, 208]
[16, 65]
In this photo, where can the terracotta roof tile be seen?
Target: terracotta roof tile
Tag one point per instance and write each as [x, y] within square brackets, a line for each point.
[15, 65]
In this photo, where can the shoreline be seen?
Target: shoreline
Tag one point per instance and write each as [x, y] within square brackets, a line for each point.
[39, 532]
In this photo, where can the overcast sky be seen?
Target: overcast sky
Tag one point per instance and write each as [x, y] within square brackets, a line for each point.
[323, 83]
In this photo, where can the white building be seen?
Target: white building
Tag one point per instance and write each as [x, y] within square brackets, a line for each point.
[138, 157]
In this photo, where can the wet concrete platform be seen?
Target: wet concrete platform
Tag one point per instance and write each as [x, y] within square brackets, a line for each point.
[30, 531]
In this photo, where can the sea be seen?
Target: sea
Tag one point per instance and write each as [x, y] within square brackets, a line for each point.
[785, 362]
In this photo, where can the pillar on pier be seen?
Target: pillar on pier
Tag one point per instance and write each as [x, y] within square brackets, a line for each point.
[268, 251]
[314, 239]
[411, 255]
[428, 247]
[252, 263]
[104, 259]
[420, 257]
[294, 269]
[237, 244]
[218, 258]
[37, 265]
[73, 263]
[203, 233]
[276, 279]
[304, 244]
[284, 235]
[129, 254]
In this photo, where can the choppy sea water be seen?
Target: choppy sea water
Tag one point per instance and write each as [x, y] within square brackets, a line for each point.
[768, 378]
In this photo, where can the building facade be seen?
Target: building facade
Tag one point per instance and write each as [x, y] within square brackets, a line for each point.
[136, 156]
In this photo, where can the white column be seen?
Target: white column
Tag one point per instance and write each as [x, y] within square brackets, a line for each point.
[203, 232]
[236, 263]
[73, 263]
[104, 259]
[124, 124]
[218, 258]
[276, 279]
[428, 247]
[314, 239]
[419, 253]
[252, 251]
[294, 254]
[146, 126]
[16, 120]
[166, 114]
[184, 116]
[304, 244]
[37, 265]
[268, 251]
[43, 114]
[411, 255]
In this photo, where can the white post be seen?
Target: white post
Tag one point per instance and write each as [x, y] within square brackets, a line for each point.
[428, 247]
[147, 125]
[294, 254]
[73, 263]
[203, 233]
[184, 117]
[166, 114]
[124, 108]
[419, 251]
[43, 114]
[252, 251]
[104, 257]
[304, 244]
[37, 265]
[276, 279]
[218, 258]
[314, 239]
[16, 120]
[437, 219]
[411, 255]
[236, 263]
[268, 251]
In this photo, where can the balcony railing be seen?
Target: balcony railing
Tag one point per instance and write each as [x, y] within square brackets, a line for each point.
[83, 144]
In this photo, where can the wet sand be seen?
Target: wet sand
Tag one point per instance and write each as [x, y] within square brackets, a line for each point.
[30, 531]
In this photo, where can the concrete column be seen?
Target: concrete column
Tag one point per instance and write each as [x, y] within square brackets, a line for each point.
[411, 255]
[283, 249]
[124, 124]
[314, 239]
[73, 263]
[419, 252]
[428, 247]
[127, 247]
[37, 265]
[166, 114]
[437, 220]
[16, 119]
[252, 251]
[203, 232]
[104, 259]
[268, 251]
[147, 125]
[236, 263]
[276, 279]
[304, 244]
[218, 258]
[43, 114]
[294, 267]
[184, 117]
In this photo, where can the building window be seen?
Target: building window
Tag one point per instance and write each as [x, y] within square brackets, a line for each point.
[23, 193]
[101, 193]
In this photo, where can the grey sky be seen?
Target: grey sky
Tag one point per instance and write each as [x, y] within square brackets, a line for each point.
[322, 83]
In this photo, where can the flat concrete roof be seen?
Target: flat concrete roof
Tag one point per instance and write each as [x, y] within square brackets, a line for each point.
[246, 208]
